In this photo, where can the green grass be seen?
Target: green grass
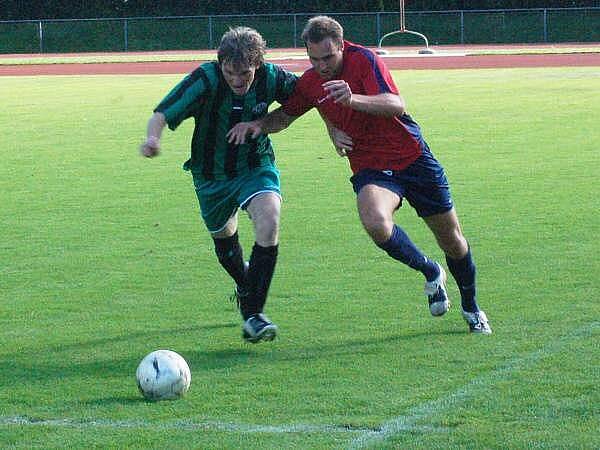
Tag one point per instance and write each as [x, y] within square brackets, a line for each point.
[104, 259]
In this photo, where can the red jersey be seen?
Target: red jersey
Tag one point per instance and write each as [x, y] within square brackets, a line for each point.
[381, 143]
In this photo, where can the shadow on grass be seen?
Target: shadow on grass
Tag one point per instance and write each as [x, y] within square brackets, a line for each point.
[116, 401]
[73, 359]
[361, 346]
[60, 362]
[95, 343]
[231, 357]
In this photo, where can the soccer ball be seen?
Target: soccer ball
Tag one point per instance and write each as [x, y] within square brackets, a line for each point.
[163, 375]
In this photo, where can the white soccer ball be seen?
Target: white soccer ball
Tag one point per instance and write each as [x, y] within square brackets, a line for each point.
[163, 375]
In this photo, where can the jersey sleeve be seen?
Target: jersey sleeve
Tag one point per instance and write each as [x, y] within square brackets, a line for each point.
[298, 102]
[185, 98]
[377, 79]
[285, 83]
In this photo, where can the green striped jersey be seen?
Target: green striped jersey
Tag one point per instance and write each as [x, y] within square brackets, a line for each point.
[206, 96]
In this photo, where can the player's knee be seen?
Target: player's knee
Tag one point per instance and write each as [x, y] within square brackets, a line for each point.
[454, 245]
[378, 227]
[267, 230]
[267, 240]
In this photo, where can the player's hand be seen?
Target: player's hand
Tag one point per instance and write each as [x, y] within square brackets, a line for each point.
[341, 141]
[238, 134]
[150, 148]
[339, 91]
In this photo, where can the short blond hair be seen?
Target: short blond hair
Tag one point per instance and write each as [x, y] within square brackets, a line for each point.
[242, 46]
[322, 27]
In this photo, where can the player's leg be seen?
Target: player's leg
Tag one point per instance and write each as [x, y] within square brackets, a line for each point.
[264, 210]
[424, 185]
[376, 206]
[229, 251]
[447, 231]
[260, 196]
[218, 206]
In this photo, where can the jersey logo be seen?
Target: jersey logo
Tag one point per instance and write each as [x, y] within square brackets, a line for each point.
[260, 109]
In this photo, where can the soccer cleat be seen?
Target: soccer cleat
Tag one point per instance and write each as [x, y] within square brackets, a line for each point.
[478, 322]
[437, 295]
[258, 328]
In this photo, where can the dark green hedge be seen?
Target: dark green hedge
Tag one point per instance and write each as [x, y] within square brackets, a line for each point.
[188, 33]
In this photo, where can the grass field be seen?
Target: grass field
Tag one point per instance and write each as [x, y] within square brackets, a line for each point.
[104, 259]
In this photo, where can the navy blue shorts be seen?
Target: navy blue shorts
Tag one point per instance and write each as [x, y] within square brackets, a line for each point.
[423, 184]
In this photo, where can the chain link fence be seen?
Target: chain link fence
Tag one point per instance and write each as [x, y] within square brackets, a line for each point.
[547, 25]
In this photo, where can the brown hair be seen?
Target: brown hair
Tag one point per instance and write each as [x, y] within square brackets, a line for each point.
[242, 46]
[322, 27]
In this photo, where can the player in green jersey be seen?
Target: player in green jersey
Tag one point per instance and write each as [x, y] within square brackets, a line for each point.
[238, 87]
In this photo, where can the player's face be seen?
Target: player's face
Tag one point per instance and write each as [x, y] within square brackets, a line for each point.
[238, 77]
[326, 57]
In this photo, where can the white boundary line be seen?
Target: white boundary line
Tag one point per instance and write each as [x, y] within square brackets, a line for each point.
[390, 54]
[182, 425]
[367, 436]
[185, 425]
[476, 387]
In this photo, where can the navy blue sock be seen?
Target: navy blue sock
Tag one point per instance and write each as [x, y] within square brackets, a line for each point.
[463, 270]
[401, 248]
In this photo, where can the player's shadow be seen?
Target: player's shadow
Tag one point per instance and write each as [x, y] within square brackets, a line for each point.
[97, 343]
[130, 336]
[236, 356]
[353, 347]
[65, 364]
[115, 401]
[63, 361]
[221, 359]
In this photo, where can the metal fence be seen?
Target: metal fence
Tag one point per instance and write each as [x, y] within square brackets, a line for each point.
[503, 26]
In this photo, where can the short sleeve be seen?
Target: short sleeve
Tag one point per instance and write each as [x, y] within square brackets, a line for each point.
[377, 79]
[298, 102]
[185, 98]
[285, 82]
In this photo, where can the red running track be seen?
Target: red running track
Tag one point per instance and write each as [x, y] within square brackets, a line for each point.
[299, 65]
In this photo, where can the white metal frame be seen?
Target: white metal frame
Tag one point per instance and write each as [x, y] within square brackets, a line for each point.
[403, 30]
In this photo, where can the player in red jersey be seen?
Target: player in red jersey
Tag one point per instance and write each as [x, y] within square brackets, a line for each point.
[366, 117]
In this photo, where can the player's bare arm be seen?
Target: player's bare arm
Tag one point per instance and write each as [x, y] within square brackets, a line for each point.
[388, 105]
[273, 122]
[151, 146]
[341, 141]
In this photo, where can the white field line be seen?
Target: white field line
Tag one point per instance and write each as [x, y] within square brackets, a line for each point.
[477, 387]
[367, 436]
[174, 425]
[391, 54]
[184, 425]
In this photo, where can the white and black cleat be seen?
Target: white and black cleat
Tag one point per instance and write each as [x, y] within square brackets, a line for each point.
[437, 296]
[258, 328]
[478, 322]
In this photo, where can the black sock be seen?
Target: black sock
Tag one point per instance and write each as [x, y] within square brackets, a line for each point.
[230, 255]
[260, 274]
[401, 248]
[463, 270]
